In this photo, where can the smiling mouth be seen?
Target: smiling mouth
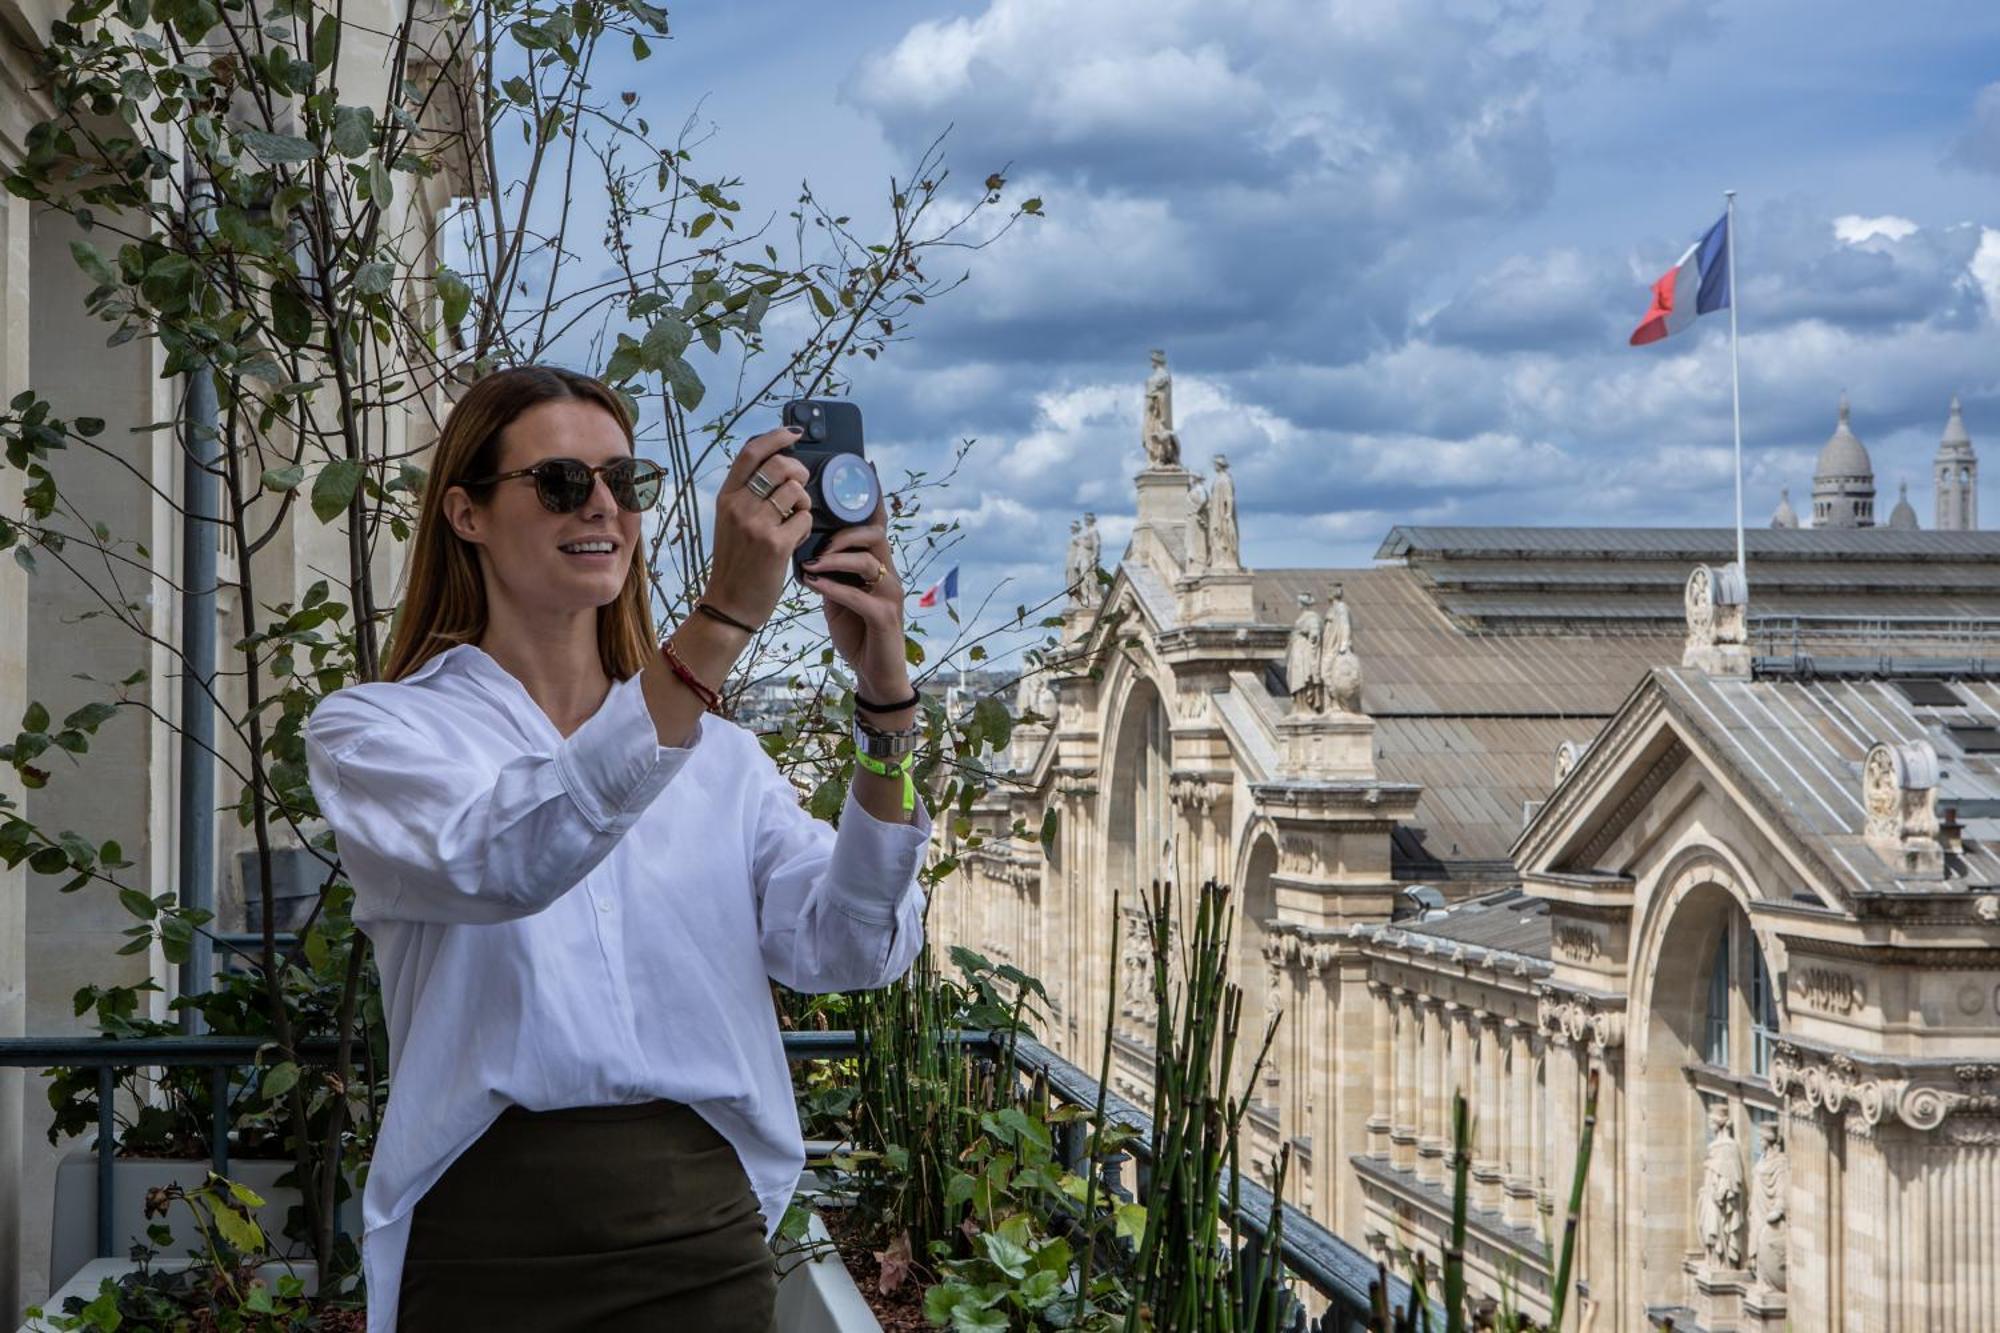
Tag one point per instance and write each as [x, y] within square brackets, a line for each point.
[604, 549]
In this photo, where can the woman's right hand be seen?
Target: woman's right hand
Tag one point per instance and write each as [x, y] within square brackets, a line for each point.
[756, 535]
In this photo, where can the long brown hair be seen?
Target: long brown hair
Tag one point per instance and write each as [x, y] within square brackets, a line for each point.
[444, 602]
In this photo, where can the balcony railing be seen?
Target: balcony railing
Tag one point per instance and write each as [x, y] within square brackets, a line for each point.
[1340, 1274]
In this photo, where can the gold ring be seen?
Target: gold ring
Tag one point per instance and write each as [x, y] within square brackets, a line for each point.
[783, 513]
[879, 572]
[760, 485]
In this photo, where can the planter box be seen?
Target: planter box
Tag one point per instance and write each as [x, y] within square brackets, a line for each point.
[73, 1230]
[820, 1297]
[816, 1297]
[85, 1281]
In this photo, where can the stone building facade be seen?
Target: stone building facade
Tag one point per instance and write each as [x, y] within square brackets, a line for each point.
[53, 943]
[1737, 866]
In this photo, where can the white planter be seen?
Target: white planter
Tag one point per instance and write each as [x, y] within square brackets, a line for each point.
[85, 1281]
[73, 1230]
[820, 1297]
[816, 1297]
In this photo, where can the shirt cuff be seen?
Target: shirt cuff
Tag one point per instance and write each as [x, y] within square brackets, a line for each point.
[875, 862]
[614, 765]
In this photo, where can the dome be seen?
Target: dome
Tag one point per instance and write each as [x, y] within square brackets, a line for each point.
[1843, 455]
[1784, 516]
[1903, 516]
[1957, 442]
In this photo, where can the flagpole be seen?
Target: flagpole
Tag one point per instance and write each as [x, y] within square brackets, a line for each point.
[1736, 389]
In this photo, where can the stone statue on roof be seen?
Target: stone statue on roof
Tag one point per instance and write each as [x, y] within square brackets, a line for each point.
[1338, 664]
[1080, 569]
[1223, 549]
[1093, 550]
[1302, 677]
[1199, 553]
[1163, 447]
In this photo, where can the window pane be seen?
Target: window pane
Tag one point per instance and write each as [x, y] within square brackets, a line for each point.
[1716, 1048]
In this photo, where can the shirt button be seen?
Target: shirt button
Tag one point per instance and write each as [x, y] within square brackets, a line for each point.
[603, 904]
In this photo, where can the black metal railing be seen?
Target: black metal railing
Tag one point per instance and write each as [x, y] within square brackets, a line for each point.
[1341, 1274]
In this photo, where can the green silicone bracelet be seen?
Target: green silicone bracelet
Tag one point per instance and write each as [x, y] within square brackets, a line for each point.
[901, 768]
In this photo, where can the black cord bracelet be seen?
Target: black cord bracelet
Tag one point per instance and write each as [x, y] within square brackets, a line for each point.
[866, 707]
[727, 619]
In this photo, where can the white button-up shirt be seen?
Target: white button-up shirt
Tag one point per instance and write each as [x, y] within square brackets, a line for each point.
[587, 920]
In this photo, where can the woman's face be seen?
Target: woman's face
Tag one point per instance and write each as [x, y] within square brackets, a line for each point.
[524, 541]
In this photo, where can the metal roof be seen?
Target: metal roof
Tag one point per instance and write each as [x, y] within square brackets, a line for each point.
[1511, 921]
[1693, 545]
[1800, 744]
[1415, 661]
[1477, 773]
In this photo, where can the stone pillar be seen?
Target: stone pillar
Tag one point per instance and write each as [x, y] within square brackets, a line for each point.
[1488, 1115]
[14, 222]
[1382, 1095]
[1458, 1021]
[1430, 1120]
[1403, 1121]
[1520, 1147]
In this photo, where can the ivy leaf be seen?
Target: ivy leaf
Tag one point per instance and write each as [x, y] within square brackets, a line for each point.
[325, 42]
[138, 904]
[291, 317]
[274, 149]
[286, 478]
[91, 261]
[686, 384]
[456, 295]
[333, 489]
[353, 130]
[242, 1233]
[373, 278]
[280, 1080]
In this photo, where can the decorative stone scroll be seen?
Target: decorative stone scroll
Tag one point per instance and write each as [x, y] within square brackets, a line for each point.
[1899, 782]
[1717, 603]
[1568, 755]
[1813, 1081]
[1597, 1022]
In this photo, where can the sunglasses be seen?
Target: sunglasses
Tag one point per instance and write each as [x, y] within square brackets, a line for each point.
[563, 484]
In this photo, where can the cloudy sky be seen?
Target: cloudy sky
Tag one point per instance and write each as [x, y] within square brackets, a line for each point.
[1394, 247]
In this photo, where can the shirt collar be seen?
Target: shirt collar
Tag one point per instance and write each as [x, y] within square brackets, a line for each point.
[437, 660]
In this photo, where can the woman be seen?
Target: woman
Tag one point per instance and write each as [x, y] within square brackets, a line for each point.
[577, 878]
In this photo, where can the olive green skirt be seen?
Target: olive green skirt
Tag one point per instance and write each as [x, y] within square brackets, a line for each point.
[611, 1219]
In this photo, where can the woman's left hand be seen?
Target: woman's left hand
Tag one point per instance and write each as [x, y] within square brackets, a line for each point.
[865, 624]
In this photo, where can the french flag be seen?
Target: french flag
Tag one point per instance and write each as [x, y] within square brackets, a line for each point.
[948, 586]
[1696, 285]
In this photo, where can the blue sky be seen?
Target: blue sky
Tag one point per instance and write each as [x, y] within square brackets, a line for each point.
[1394, 247]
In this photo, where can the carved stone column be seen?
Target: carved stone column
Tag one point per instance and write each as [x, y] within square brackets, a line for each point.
[1432, 1126]
[1382, 1095]
[1459, 1022]
[1403, 1121]
[1488, 1115]
[1521, 1099]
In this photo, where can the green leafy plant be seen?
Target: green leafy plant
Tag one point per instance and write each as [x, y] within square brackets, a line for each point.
[220, 1290]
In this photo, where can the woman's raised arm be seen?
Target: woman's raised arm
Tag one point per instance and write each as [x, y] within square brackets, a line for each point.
[425, 836]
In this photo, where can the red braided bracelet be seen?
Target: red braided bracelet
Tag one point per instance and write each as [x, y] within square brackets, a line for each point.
[709, 698]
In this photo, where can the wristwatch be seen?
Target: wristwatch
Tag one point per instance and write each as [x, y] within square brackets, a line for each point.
[887, 746]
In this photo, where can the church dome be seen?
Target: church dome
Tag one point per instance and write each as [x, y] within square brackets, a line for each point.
[1843, 455]
[1903, 516]
[1784, 516]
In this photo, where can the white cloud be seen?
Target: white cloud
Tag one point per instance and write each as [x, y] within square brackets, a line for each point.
[1854, 229]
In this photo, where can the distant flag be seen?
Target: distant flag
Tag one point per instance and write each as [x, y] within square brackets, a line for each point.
[1696, 285]
[946, 586]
